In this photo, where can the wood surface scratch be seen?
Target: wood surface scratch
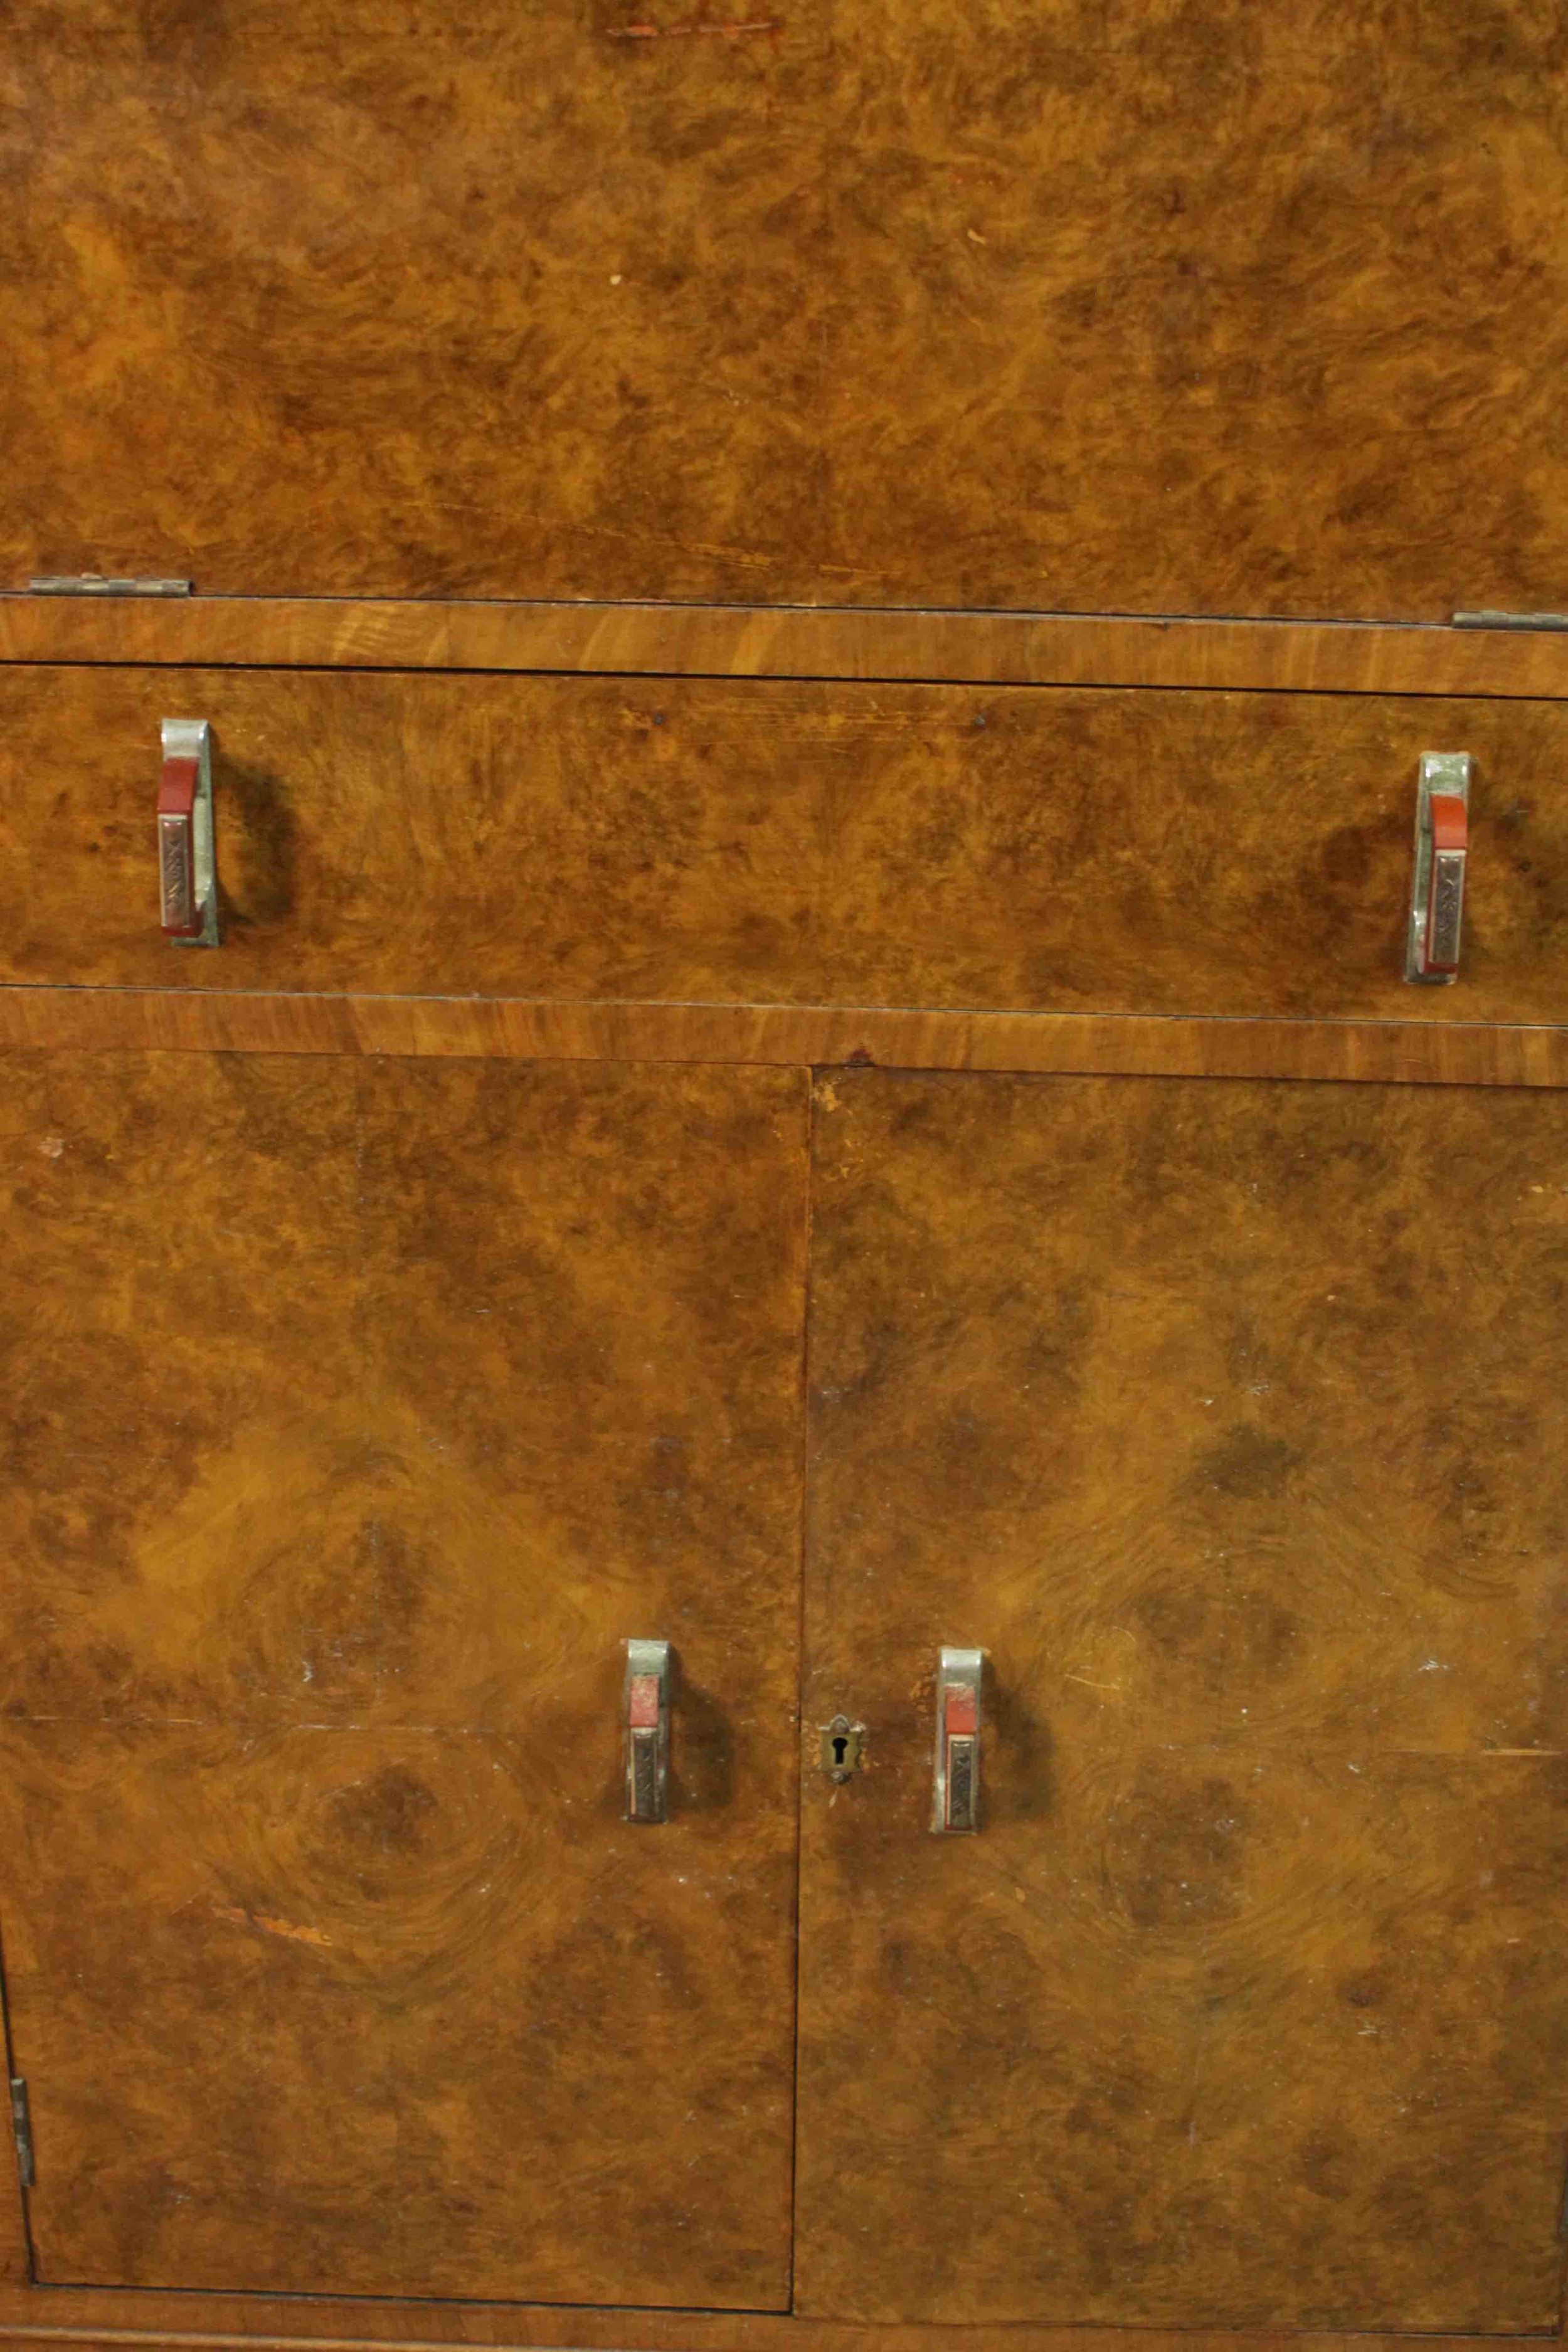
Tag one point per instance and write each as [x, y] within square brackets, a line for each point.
[241, 1919]
[683, 32]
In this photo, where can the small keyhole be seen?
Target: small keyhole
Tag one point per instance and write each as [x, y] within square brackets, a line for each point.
[840, 1745]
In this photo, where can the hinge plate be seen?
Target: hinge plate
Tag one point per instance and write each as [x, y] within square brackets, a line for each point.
[93, 584]
[21, 2126]
[1510, 620]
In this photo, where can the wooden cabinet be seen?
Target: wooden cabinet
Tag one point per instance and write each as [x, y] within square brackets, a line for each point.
[799, 1069]
[369, 1387]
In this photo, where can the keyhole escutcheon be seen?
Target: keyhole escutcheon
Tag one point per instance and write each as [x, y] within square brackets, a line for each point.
[843, 1748]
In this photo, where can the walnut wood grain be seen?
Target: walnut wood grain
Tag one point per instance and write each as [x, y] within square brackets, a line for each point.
[15, 2252]
[984, 849]
[1201, 308]
[1204, 309]
[784, 641]
[311, 2326]
[356, 1415]
[1231, 1422]
[492, 305]
[98, 1020]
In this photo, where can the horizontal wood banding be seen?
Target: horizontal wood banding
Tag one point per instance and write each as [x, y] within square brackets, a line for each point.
[324, 2326]
[1109, 1045]
[759, 640]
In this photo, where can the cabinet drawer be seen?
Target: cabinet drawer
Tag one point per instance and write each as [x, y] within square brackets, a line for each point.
[737, 841]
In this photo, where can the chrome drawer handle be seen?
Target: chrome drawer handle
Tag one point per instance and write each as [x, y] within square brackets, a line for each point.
[646, 1710]
[187, 875]
[957, 1796]
[1442, 850]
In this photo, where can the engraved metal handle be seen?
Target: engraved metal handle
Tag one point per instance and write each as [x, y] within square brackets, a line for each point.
[957, 1804]
[187, 877]
[647, 1707]
[1442, 849]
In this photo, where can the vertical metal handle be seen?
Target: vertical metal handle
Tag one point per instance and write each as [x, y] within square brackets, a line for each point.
[1442, 851]
[187, 877]
[647, 1708]
[957, 1797]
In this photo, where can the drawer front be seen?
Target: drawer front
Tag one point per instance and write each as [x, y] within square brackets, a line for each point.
[729, 842]
[1202, 309]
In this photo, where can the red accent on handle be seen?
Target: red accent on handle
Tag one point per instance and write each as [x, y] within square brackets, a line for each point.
[1450, 822]
[642, 1703]
[961, 1710]
[178, 789]
[182, 918]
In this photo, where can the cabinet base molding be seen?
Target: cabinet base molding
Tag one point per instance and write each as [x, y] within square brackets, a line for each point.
[262, 2325]
[1432, 1053]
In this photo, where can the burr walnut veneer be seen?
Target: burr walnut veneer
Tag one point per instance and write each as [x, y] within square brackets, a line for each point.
[786, 842]
[817, 625]
[500, 1248]
[1172, 306]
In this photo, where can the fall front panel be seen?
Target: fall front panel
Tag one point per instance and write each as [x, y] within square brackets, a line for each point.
[1179, 309]
[1228, 1419]
[358, 1414]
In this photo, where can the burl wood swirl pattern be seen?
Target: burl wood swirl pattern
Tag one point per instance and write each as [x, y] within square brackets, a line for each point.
[356, 1415]
[1074, 849]
[1231, 1421]
[1088, 304]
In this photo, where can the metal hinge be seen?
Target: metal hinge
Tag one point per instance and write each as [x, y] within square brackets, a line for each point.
[93, 584]
[1510, 620]
[22, 2125]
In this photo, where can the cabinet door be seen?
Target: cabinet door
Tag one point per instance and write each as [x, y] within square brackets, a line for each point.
[356, 1414]
[1229, 1421]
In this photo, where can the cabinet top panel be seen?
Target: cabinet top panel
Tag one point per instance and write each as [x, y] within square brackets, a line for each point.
[1192, 308]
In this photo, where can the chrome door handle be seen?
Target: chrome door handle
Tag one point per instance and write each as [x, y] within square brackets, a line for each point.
[1442, 853]
[187, 865]
[647, 1708]
[957, 1793]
